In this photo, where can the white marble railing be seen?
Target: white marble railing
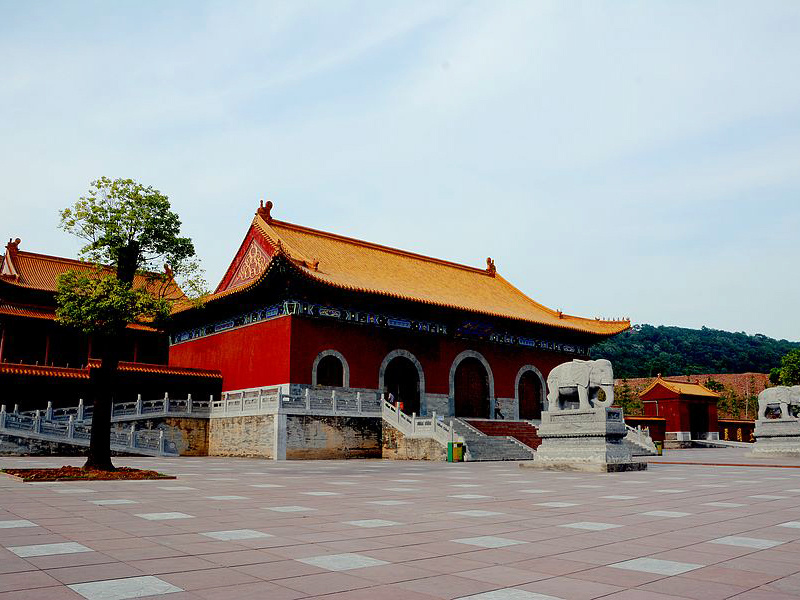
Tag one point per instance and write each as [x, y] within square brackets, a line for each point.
[433, 427]
[640, 438]
[151, 442]
[126, 411]
[311, 401]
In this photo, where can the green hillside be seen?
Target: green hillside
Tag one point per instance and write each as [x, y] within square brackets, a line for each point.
[645, 351]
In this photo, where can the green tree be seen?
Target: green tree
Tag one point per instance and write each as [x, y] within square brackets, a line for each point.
[129, 229]
[627, 399]
[790, 368]
[713, 385]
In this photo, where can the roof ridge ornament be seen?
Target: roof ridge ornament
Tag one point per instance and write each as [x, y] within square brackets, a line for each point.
[9, 270]
[264, 211]
[490, 268]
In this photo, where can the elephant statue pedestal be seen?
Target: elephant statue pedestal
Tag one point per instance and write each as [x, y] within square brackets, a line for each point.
[781, 436]
[584, 440]
[777, 437]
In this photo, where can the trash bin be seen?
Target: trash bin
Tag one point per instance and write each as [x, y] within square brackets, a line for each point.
[455, 451]
[659, 447]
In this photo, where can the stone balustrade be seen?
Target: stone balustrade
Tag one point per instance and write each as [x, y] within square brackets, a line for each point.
[433, 427]
[150, 442]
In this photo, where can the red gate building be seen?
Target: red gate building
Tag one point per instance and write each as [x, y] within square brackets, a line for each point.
[690, 410]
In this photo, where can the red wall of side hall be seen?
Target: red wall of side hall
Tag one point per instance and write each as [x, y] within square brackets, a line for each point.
[252, 356]
[364, 348]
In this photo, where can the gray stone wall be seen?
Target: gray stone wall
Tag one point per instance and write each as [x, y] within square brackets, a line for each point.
[316, 437]
[242, 436]
[508, 408]
[439, 403]
[396, 446]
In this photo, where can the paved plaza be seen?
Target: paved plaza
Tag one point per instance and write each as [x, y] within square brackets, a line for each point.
[245, 528]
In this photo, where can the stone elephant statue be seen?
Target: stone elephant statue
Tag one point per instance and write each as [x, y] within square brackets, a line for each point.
[584, 377]
[780, 396]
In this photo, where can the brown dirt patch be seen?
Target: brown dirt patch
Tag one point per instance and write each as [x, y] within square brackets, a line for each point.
[67, 473]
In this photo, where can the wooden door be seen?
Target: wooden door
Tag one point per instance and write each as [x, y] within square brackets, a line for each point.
[471, 389]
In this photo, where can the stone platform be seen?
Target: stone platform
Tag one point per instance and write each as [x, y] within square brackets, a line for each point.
[777, 437]
[584, 440]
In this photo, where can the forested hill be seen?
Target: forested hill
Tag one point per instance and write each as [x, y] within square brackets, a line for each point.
[645, 351]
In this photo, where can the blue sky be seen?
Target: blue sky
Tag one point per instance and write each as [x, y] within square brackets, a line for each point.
[633, 159]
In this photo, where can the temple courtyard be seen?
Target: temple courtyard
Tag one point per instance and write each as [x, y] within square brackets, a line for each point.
[231, 528]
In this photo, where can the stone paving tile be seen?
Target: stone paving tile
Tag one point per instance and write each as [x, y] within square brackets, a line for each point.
[121, 589]
[565, 552]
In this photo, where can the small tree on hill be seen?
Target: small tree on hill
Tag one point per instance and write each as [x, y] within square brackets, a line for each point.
[129, 229]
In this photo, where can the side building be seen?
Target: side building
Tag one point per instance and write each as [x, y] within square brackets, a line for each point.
[42, 361]
[305, 313]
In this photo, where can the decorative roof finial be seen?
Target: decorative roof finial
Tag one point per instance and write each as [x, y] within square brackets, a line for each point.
[265, 210]
[13, 246]
[168, 271]
[490, 268]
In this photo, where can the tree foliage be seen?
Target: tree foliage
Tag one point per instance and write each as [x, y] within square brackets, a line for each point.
[789, 372]
[627, 399]
[128, 228]
[97, 302]
[646, 351]
[119, 214]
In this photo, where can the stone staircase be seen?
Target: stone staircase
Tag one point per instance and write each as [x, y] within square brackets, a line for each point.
[522, 431]
[480, 446]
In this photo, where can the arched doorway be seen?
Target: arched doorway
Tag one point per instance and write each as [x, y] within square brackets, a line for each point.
[330, 371]
[471, 389]
[529, 392]
[402, 380]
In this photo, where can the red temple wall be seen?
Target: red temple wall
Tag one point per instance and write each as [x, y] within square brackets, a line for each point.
[365, 348]
[252, 356]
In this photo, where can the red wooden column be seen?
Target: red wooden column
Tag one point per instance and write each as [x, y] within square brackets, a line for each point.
[2, 342]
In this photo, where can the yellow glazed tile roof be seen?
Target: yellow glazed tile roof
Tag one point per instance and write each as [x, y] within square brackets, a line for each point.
[40, 272]
[361, 266]
[681, 387]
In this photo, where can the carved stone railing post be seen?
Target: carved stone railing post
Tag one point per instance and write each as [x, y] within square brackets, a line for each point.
[358, 401]
[139, 406]
[71, 427]
[16, 409]
[2, 416]
[80, 409]
[132, 441]
[162, 442]
[166, 402]
[189, 403]
[37, 421]
[48, 413]
[413, 423]
[308, 399]
[333, 401]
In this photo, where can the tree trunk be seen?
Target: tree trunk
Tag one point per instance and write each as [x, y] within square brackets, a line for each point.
[104, 380]
[102, 384]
